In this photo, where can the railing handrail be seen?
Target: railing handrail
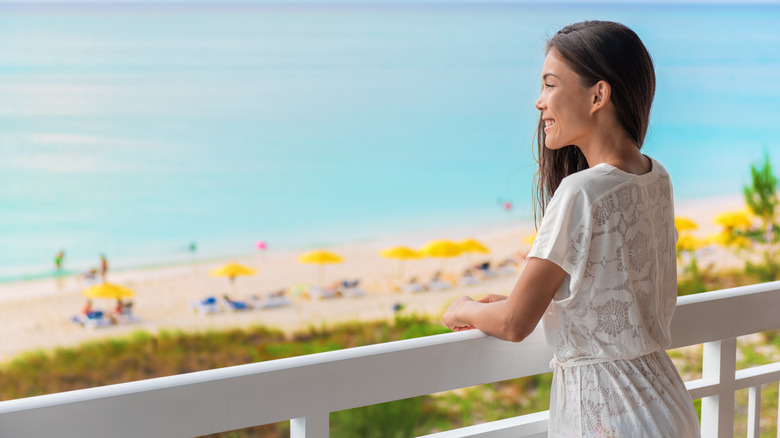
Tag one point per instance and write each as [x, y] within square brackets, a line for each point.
[312, 386]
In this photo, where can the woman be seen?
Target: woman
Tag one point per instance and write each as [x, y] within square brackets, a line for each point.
[602, 270]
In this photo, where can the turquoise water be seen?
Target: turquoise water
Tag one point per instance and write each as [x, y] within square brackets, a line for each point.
[135, 130]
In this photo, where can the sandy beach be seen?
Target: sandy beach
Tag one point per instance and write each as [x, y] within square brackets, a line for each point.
[37, 314]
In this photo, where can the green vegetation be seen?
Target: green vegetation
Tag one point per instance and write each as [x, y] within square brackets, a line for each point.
[761, 199]
[752, 233]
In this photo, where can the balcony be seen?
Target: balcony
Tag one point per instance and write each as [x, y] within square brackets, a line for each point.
[306, 389]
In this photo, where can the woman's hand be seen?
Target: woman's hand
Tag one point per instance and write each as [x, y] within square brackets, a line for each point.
[492, 298]
[450, 316]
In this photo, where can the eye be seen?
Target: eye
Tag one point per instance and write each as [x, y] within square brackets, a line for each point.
[548, 85]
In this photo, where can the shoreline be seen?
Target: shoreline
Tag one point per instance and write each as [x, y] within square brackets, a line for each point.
[36, 313]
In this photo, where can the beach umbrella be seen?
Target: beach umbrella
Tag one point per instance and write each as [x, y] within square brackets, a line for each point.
[683, 223]
[474, 245]
[231, 271]
[441, 248]
[400, 253]
[108, 291]
[320, 258]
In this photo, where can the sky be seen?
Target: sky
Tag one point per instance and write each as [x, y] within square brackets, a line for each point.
[547, 2]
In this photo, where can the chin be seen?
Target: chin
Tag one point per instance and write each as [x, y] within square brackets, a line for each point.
[553, 146]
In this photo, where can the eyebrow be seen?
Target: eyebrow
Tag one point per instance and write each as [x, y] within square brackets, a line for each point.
[544, 76]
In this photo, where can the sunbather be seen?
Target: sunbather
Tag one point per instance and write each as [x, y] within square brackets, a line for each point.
[205, 306]
[413, 285]
[351, 288]
[468, 278]
[484, 270]
[438, 282]
[235, 305]
[272, 300]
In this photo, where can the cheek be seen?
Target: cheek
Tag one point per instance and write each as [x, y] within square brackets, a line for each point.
[572, 114]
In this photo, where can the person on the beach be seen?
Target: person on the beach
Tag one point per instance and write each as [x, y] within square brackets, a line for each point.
[86, 309]
[59, 259]
[103, 267]
[601, 272]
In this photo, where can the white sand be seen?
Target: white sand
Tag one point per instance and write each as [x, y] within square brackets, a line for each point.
[36, 314]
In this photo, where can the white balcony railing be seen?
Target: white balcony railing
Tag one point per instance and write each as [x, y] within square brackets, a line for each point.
[306, 389]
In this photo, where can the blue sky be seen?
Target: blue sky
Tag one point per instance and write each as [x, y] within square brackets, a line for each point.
[548, 2]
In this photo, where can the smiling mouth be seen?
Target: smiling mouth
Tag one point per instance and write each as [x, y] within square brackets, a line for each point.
[548, 123]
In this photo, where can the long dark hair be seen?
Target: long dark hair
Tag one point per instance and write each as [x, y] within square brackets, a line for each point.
[597, 51]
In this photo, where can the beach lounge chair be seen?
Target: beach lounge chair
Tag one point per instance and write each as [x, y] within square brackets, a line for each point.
[123, 313]
[484, 270]
[351, 289]
[127, 318]
[92, 320]
[205, 306]
[235, 306]
[319, 293]
[413, 287]
[271, 301]
[468, 278]
[439, 283]
[506, 268]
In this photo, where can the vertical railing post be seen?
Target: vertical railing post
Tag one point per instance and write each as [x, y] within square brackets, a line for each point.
[719, 364]
[754, 411]
[310, 426]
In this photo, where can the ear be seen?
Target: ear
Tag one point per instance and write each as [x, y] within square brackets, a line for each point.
[601, 93]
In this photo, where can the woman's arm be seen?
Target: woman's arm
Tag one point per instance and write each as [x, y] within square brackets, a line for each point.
[515, 317]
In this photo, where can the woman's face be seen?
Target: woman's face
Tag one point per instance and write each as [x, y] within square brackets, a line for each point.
[565, 104]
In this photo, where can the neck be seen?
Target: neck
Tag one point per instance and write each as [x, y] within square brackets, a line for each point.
[615, 149]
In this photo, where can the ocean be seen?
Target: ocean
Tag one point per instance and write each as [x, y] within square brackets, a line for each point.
[135, 130]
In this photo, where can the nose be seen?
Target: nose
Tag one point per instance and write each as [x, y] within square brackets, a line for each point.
[540, 102]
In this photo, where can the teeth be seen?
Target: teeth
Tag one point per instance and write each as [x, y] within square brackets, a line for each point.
[549, 123]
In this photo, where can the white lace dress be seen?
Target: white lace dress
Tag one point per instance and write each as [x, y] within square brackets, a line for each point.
[608, 325]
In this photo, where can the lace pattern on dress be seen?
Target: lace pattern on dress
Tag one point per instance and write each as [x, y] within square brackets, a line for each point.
[614, 235]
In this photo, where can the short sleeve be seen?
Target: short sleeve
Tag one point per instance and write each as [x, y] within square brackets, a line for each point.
[564, 235]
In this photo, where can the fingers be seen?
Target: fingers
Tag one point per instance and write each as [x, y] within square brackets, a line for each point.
[492, 298]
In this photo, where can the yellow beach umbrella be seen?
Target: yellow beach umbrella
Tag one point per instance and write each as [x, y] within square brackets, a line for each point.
[683, 223]
[474, 245]
[108, 291]
[320, 258]
[441, 248]
[231, 271]
[400, 253]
